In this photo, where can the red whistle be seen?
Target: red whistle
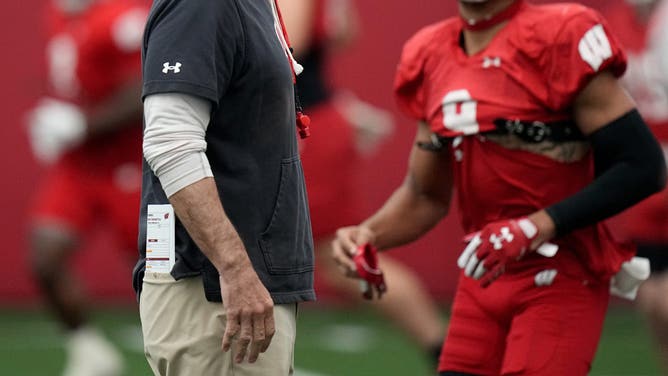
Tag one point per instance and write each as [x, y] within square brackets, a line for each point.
[303, 124]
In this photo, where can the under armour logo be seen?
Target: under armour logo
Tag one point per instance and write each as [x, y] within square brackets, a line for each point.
[176, 68]
[498, 240]
[545, 278]
[491, 62]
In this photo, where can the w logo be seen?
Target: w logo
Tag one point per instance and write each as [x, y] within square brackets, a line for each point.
[594, 47]
[176, 68]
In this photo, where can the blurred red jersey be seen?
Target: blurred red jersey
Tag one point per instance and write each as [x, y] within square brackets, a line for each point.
[531, 71]
[90, 56]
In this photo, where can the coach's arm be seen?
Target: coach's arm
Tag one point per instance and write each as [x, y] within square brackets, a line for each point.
[174, 146]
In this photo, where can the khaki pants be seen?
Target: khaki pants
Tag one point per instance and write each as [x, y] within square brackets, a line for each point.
[183, 332]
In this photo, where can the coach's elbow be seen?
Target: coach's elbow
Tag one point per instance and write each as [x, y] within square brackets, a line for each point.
[157, 153]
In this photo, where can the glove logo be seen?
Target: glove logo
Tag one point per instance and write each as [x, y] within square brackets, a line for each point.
[505, 235]
[176, 68]
[545, 277]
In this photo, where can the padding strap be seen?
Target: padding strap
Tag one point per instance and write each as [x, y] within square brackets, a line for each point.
[538, 131]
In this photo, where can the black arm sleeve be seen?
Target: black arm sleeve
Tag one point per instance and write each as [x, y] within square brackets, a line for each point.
[629, 165]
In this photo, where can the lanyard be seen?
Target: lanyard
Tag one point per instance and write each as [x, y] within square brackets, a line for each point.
[303, 121]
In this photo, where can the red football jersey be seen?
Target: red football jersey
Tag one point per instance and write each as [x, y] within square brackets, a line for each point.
[532, 70]
[92, 54]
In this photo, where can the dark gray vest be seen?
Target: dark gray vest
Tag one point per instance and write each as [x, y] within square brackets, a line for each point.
[229, 53]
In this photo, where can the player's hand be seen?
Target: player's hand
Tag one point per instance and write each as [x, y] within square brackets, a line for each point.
[54, 127]
[496, 245]
[250, 314]
[368, 269]
[345, 245]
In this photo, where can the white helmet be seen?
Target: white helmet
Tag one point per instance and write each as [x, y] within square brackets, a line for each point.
[73, 6]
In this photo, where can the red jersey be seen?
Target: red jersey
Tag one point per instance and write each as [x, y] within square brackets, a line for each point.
[532, 70]
[93, 54]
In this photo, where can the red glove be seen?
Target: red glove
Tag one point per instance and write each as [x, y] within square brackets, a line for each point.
[496, 245]
[366, 261]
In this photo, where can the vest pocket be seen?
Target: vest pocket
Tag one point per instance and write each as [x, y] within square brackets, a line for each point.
[286, 243]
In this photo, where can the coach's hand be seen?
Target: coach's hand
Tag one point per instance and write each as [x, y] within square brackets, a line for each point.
[497, 244]
[250, 314]
[345, 244]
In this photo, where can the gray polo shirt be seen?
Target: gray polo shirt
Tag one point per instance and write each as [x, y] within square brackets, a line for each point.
[228, 51]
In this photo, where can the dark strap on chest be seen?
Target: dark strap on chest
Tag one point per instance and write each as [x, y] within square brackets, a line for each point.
[537, 131]
[528, 131]
[436, 143]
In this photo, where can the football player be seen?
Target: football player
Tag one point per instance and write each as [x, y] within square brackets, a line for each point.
[643, 30]
[88, 132]
[521, 111]
[348, 129]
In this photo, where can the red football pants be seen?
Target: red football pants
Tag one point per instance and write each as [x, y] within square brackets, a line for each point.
[516, 327]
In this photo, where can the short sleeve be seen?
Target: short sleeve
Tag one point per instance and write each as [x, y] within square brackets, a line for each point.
[191, 47]
[583, 47]
[409, 80]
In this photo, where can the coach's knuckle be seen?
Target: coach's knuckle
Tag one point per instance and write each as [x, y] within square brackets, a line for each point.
[244, 338]
[248, 312]
[257, 310]
[233, 312]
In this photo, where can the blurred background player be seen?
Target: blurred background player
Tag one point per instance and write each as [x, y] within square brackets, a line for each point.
[345, 129]
[88, 132]
[642, 27]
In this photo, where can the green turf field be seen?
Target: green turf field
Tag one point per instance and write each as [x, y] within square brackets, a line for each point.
[330, 343]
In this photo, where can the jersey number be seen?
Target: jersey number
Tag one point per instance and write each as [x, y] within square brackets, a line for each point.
[594, 47]
[460, 112]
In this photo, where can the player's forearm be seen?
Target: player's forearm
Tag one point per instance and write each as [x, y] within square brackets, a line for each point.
[118, 110]
[405, 217]
[629, 165]
[199, 208]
